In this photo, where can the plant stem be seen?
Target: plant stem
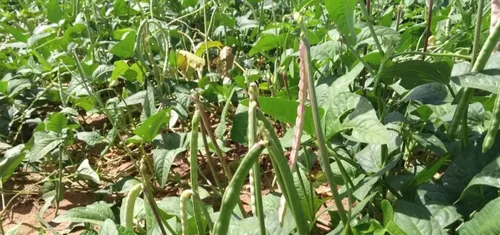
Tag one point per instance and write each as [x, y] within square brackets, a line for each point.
[211, 163]
[206, 125]
[148, 192]
[324, 159]
[428, 28]
[370, 26]
[479, 65]
[193, 155]
[465, 57]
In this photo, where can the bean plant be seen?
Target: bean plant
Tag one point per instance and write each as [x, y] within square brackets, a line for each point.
[251, 117]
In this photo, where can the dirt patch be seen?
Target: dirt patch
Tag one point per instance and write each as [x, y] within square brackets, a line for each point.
[26, 208]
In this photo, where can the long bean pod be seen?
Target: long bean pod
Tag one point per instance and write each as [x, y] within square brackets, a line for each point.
[232, 194]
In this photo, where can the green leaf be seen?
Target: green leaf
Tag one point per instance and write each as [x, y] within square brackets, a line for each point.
[285, 111]
[362, 121]
[221, 128]
[96, 214]
[148, 105]
[326, 50]
[489, 175]
[385, 34]
[17, 33]
[341, 13]
[90, 137]
[202, 47]
[485, 221]
[150, 128]
[124, 48]
[86, 172]
[487, 80]
[414, 219]
[120, 68]
[54, 12]
[57, 122]
[240, 125]
[44, 143]
[430, 93]
[11, 159]
[388, 217]
[163, 161]
[439, 203]
[417, 72]
[265, 43]
[14, 230]
[108, 228]
[134, 99]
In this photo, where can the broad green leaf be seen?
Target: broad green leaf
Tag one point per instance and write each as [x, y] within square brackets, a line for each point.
[54, 12]
[90, 137]
[163, 161]
[124, 48]
[11, 159]
[416, 72]
[388, 218]
[467, 164]
[342, 83]
[44, 143]
[240, 125]
[327, 50]
[362, 121]
[286, 111]
[108, 228]
[487, 80]
[431, 142]
[120, 68]
[430, 93]
[341, 13]
[414, 219]
[384, 34]
[96, 214]
[17, 33]
[267, 42]
[489, 175]
[57, 122]
[150, 128]
[485, 221]
[134, 99]
[204, 46]
[148, 105]
[410, 38]
[439, 203]
[86, 172]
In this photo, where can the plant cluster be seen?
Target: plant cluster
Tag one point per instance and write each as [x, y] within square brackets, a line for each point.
[381, 115]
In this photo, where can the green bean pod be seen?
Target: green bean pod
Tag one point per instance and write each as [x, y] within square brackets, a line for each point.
[127, 208]
[186, 194]
[491, 133]
[193, 158]
[232, 194]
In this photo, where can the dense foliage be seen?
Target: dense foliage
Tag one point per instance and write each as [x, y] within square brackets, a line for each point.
[341, 117]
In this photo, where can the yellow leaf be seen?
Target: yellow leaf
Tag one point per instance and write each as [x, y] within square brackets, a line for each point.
[203, 46]
[190, 59]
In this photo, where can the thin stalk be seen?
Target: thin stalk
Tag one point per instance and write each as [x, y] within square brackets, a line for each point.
[428, 28]
[211, 163]
[59, 178]
[399, 15]
[479, 65]
[1, 226]
[206, 125]
[370, 26]
[324, 159]
[452, 55]
[193, 156]
[477, 31]
[148, 192]
[3, 196]
[255, 181]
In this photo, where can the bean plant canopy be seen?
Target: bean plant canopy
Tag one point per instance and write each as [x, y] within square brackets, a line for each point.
[273, 117]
